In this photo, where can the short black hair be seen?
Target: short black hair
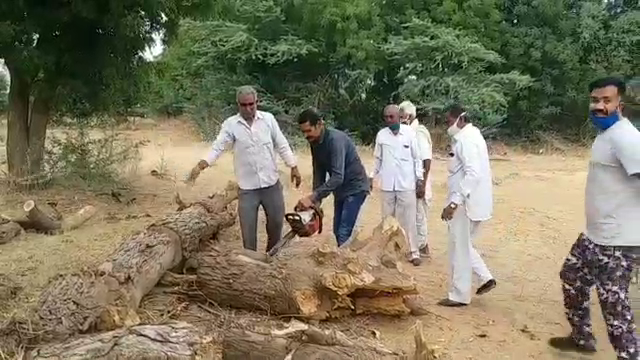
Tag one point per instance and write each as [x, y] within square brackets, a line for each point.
[311, 116]
[609, 81]
[454, 110]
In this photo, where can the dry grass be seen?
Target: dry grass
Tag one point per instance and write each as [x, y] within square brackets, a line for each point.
[538, 214]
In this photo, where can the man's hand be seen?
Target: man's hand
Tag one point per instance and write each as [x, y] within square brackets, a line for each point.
[195, 172]
[420, 189]
[296, 179]
[304, 204]
[448, 211]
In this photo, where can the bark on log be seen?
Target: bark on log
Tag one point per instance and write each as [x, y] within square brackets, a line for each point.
[9, 230]
[107, 298]
[311, 280]
[301, 342]
[175, 341]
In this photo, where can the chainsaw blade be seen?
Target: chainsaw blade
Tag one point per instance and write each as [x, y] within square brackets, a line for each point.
[280, 244]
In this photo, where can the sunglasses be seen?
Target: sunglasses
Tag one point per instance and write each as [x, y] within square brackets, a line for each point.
[247, 104]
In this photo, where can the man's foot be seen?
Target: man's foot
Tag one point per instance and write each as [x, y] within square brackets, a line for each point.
[486, 287]
[450, 303]
[567, 343]
[424, 251]
[416, 261]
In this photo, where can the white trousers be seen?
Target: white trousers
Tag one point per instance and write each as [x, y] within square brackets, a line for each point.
[422, 216]
[402, 206]
[464, 260]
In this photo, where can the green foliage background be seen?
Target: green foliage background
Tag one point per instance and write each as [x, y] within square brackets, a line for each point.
[528, 62]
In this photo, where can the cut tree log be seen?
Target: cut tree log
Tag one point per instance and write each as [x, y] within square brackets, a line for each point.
[9, 230]
[175, 340]
[107, 298]
[302, 342]
[311, 279]
[40, 220]
[51, 221]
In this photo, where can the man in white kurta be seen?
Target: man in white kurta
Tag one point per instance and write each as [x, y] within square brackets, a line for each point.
[398, 167]
[423, 196]
[469, 203]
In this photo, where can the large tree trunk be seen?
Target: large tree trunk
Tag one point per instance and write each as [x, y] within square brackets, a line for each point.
[18, 124]
[38, 121]
[108, 297]
[27, 124]
[312, 279]
[175, 341]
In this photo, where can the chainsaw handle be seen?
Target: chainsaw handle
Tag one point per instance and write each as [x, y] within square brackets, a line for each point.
[292, 217]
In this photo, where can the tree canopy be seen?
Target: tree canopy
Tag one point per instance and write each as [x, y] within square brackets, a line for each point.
[524, 61]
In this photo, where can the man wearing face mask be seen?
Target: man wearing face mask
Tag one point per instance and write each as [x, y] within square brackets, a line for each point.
[398, 164]
[423, 195]
[469, 203]
[255, 137]
[334, 153]
[603, 255]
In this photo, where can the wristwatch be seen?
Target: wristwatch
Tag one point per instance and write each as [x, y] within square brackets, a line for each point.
[453, 205]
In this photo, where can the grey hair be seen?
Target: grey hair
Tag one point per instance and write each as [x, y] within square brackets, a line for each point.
[407, 107]
[246, 90]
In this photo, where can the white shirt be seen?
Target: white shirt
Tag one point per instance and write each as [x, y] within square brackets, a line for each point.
[397, 159]
[612, 197]
[425, 150]
[470, 179]
[254, 149]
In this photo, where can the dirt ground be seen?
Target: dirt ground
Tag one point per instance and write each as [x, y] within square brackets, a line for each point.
[538, 214]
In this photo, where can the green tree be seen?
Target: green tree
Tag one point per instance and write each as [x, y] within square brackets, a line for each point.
[75, 56]
[440, 65]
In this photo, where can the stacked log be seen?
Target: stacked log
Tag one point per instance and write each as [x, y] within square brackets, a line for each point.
[93, 314]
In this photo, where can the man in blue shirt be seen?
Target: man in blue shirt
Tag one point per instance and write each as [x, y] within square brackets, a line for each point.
[334, 153]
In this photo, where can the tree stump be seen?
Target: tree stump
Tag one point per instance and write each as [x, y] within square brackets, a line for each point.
[312, 279]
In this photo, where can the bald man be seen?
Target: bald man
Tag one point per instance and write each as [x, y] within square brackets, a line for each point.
[398, 167]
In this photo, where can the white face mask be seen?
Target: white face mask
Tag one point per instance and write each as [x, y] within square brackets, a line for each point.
[454, 129]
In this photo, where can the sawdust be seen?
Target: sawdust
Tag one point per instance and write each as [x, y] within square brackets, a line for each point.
[538, 214]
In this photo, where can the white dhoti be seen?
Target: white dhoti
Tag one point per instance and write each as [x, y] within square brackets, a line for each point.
[463, 257]
[422, 216]
[402, 206]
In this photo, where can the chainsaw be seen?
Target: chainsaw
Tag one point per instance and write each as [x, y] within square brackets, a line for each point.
[304, 223]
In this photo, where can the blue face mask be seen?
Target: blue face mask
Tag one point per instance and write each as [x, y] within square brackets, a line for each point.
[604, 122]
[394, 127]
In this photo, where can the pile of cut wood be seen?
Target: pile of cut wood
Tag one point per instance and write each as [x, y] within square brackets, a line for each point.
[95, 314]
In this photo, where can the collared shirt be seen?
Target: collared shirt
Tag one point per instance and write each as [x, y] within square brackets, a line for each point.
[254, 149]
[470, 179]
[612, 194]
[426, 151]
[397, 160]
[336, 154]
